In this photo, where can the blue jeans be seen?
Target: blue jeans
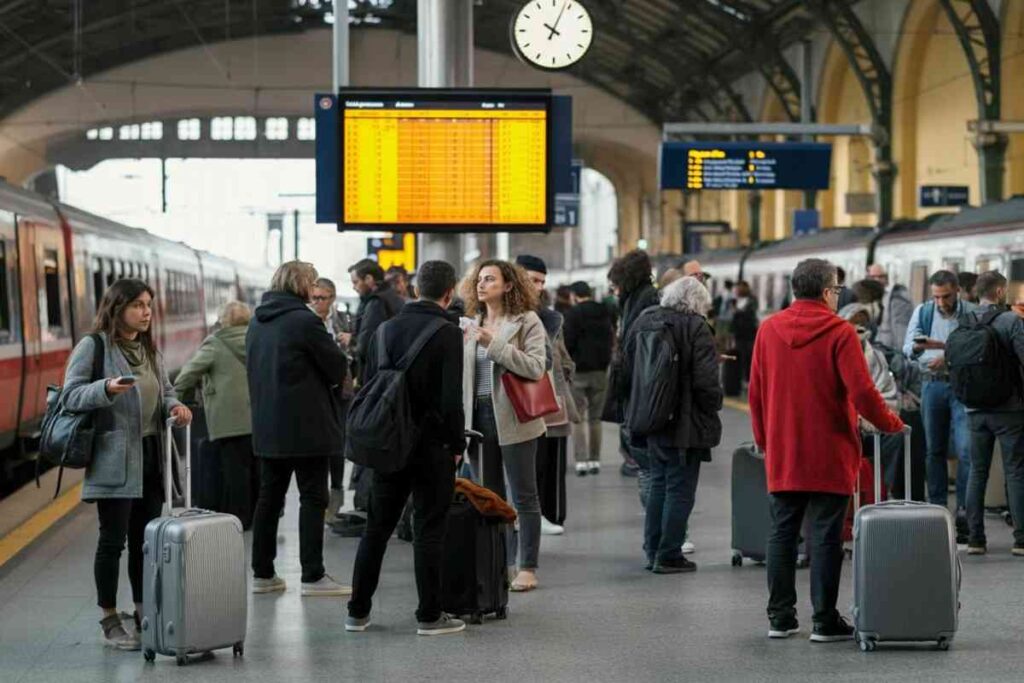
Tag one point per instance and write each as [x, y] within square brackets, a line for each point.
[674, 474]
[642, 459]
[941, 411]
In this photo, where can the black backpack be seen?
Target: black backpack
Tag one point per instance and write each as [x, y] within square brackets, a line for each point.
[66, 438]
[982, 373]
[654, 384]
[380, 430]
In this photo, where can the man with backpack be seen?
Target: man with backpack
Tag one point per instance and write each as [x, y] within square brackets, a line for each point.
[425, 348]
[941, 411]
[985, 356]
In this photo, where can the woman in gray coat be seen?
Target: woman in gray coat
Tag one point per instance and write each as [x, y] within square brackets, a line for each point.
[125, 476]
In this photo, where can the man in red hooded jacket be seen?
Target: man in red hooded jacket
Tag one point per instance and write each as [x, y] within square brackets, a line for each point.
[808, 382]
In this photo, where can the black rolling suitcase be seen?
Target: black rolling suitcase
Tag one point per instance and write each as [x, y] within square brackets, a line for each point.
[551, 463]
[474, 575]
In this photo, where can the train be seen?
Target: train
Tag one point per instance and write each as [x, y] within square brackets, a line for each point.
[55, 263]
[977, 239]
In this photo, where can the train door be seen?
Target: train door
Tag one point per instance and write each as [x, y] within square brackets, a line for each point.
[46, 323]
[10, 332]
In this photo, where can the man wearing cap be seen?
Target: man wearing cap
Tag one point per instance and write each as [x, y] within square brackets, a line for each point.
[552, 448]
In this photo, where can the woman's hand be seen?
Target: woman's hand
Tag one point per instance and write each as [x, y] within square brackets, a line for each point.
[483, 337]
[115, 388]
[182, 415]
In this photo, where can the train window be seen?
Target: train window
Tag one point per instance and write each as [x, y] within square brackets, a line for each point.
[51, 276]
[1016, 293]
[97, 281]
[955, 265]
[5, 311]
[110, 273]
[768, 287]
[919, 281]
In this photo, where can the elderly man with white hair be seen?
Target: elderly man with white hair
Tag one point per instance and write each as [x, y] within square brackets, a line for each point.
[671, 367]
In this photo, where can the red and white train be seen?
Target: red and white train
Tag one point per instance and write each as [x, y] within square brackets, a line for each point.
[55, 263]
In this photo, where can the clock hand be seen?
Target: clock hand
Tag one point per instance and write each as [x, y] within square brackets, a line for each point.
[554, 31]
[557, 20]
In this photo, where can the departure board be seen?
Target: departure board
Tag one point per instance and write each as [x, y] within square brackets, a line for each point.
[440, 160]
[745, 165]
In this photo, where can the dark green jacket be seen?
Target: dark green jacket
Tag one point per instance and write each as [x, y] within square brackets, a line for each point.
[219, 365]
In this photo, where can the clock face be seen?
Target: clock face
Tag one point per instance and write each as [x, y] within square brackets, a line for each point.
[552, 34]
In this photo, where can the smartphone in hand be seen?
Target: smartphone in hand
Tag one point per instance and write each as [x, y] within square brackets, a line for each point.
[126, 380]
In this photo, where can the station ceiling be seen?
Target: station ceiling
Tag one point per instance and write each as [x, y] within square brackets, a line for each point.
[662, 56]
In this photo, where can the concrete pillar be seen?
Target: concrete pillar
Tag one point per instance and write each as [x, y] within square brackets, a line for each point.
[444, 31]
[339, 44]
[754, 201]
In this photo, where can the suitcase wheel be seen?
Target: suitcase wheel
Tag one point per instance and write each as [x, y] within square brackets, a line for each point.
[737, 560]
[867, 645]
[943, 644]
[149, 655]
[501, 613]
[182, 660]
[238, 649]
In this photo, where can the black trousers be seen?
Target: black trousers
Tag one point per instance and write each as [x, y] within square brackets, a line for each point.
[338, 461]
[241, 477]
[125, 519]
[430, 477]
[825, 515]
[275, 478]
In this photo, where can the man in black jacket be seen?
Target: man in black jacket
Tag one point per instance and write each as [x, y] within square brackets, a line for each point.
[378, 302]
[589, 337]
[294, 369]
[434, 381]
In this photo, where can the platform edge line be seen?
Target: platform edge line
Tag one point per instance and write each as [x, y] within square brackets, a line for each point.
[35, 526]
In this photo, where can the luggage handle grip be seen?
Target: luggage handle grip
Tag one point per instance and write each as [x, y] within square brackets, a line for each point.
[170, 446]
[157, 571]
[907, 431]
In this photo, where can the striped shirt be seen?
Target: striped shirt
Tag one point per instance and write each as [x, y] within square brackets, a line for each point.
[484, 372]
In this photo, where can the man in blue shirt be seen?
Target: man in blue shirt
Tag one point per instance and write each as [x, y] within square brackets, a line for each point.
[941, 412]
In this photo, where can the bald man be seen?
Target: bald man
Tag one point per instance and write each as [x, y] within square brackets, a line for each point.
[693, 269]
[896, 309]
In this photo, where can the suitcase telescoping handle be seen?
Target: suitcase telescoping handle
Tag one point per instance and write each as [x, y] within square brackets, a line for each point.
[907, 431]
[169, 465]
[478, 438]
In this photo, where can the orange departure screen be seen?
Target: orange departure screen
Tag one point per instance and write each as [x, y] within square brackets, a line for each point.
[409, 163]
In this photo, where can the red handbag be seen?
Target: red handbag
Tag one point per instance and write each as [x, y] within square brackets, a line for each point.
[531, 399]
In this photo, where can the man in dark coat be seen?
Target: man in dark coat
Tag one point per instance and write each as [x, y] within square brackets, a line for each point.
[378, 302]
[434, 381]
[294, 369]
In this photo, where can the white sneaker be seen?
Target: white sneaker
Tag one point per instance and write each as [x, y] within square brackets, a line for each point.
[271, 585]
[688, 547]
[549, 529]
[325, 587]
[582, 469]
[594, 466]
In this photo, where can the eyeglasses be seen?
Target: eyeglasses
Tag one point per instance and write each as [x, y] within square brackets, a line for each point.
[317, 299]
[836, 289]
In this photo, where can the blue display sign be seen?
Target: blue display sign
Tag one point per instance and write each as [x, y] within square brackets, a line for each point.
[745, 165]
[806, 222]
[325, 117]
[567, 211]
[944, 195]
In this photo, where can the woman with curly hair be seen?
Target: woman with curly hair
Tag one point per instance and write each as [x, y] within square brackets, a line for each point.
[505, 335]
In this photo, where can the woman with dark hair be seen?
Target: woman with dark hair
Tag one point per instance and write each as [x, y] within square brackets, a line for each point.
[631, 277]
[505, 335]
[126, 474]
[744, 326]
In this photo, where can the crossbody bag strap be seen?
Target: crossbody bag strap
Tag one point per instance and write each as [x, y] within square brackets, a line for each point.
[237, 356]
[425, 335]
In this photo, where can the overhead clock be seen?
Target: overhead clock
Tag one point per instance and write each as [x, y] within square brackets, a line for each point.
[552, 34]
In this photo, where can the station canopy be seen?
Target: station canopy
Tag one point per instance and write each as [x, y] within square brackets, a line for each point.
[662, 56]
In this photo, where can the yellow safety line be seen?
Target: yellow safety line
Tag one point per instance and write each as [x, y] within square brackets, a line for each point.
[736, 404]
[34, 527]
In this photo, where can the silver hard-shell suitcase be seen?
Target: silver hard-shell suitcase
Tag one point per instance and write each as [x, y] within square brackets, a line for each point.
[906, 572]
[194, 591]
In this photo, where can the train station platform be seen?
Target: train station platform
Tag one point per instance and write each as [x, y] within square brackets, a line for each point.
[598, 615]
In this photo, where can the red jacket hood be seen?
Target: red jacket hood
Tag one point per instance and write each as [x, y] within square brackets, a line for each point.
[804, 321]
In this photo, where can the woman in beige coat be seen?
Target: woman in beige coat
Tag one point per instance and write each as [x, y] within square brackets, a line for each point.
[503, 335]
